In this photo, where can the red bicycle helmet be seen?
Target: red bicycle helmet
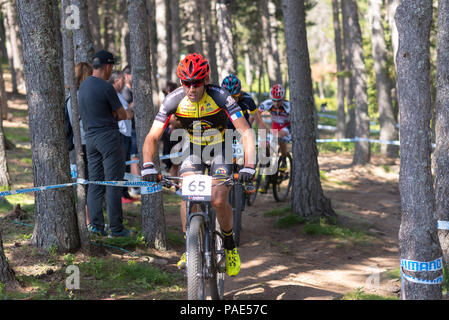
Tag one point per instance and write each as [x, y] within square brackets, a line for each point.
[277, 92]
[193, 68]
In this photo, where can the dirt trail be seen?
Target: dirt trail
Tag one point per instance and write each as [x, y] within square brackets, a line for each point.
[289, 264]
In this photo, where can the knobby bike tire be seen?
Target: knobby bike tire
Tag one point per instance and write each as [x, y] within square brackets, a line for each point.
[237, 191]
[216, 283]
[278, 195]
[196, 289]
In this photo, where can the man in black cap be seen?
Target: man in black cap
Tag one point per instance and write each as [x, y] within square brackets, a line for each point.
[100, 109]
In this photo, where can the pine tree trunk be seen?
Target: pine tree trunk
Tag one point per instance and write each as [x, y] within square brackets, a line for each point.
[383, 82]
[349, 83]
[341, 115]
[69, 66]
[418, 238]
[441, 153]
[153, 220]
[308, 199]
[94, 23]
[55, 218]
[15, 45]
[84, 46]
[226, 54]
[361, 148]
[153, 50]
[4, 174]
[210, 40]
[267, 43]
[175, 36]
[162, 57]
[7, 275]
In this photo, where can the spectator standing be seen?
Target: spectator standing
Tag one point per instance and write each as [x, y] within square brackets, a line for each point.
[100, 109]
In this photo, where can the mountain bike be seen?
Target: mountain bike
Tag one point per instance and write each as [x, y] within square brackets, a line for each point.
[205, 255]
[280, 180]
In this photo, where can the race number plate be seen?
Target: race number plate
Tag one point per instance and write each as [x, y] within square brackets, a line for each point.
[197, 188]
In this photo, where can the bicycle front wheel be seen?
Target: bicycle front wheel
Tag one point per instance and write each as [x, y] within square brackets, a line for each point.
[282, 181]
[216, 283]
[237, 217]
[196, 289]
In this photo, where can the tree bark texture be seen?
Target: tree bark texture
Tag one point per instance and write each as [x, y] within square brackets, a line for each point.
[7, 275]
[267, 43]
[441, 153]
[55, 218]
[361, 148]
[308, 199]
[153, 220]
[69, 57]
[226, 55]
[4, 174]
[210, 40]
[349, 83]
[383, 83]
[162, 43]
[84, 46]
[94, 24]
[341, 115]
[418, 237]
[15, 46]
[175, 37]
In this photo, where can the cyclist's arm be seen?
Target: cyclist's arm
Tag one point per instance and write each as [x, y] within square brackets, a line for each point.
[249, 141]
[260, 123]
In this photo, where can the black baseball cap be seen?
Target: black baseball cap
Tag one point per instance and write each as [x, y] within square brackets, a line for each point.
[103, 57]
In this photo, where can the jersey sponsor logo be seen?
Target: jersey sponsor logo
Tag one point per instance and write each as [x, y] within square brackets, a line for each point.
[221, 171]
[229, 101]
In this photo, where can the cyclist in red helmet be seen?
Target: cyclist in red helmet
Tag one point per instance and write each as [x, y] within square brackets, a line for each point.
[279, 109]
[203, 110]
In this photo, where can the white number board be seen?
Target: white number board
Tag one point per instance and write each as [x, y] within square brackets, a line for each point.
[197, 188]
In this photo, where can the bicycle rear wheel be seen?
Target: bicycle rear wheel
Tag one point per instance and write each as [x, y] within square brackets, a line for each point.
[282, 181]
[196, 289]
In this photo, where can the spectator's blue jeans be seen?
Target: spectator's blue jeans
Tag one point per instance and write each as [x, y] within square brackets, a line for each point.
[106, 162]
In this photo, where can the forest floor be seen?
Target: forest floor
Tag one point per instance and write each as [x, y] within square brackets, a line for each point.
[282, 258]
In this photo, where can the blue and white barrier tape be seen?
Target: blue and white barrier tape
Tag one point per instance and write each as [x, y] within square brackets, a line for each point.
[438, 280]
[418, 266]
[397, 143]
[146, 187]
[442, 225]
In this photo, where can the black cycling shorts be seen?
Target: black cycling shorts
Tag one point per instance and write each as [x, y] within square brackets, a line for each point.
[197, 162]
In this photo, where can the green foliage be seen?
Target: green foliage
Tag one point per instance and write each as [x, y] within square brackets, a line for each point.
[359, 294]
[289, 221]
[126, 275]
[338, 233]
[277, 212]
